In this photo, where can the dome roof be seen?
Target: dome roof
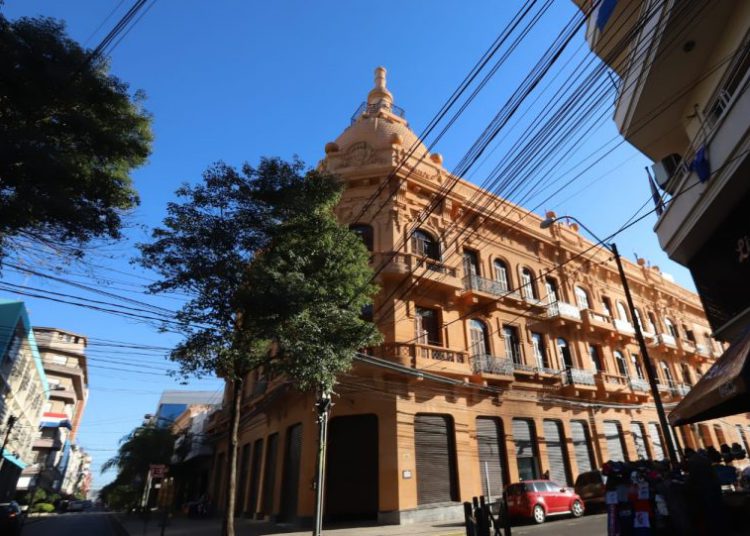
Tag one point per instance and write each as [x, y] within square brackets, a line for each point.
[379, 125]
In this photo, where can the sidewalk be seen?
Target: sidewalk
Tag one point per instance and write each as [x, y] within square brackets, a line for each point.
[180, 526]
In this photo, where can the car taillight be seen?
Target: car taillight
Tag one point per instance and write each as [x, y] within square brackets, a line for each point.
[12, 514]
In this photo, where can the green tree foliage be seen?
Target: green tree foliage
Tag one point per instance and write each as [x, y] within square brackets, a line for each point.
[70, 135]
[275, 281]
[139, 449]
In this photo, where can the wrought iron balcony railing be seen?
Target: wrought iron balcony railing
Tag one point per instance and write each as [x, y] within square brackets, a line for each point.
[492, 365]
[574, 376]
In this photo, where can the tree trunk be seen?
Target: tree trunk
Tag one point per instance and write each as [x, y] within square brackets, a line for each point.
[228, 528]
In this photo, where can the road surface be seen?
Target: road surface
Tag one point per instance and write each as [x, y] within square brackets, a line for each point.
[73, 524]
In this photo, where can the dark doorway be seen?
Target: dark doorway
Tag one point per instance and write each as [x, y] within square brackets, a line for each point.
[290, 482]
[252, 503]
[352, 469]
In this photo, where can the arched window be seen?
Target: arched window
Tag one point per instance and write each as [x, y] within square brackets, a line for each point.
[501, 274]
[620, 362]
[621, 311]
[564, 351]
[636, 365]
[670, 327]
[652, 320]
[527, 284]
[423, 244]
[550, 286]
[479, 338]
[666, 373]
[638, 319]
[687, 378]
[582, 297]
[364, 232]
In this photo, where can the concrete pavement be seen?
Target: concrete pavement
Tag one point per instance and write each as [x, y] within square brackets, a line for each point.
[592, 525]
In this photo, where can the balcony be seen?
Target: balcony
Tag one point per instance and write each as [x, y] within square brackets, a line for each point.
[574, 376]
[639, 385]
[426, 356]
[563, 310]
[703, 350]
[681, 389]
[596, 321]
[688, 346]
[666, 340]
[624, 327]
[489, 364]
[490, 288]
[399, 265]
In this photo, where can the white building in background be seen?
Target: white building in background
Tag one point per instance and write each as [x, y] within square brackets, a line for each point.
[23, 392]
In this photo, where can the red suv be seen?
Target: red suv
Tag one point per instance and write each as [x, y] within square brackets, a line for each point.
[538, 499]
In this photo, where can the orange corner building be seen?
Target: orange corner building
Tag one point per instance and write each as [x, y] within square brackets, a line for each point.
[508, 352]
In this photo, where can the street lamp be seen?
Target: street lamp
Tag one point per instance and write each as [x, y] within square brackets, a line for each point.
[638, 333]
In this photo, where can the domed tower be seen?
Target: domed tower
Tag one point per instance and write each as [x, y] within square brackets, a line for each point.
[378, 146]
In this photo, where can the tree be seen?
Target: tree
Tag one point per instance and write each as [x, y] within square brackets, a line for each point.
[143, 446]
[276, 282]
[69, 137]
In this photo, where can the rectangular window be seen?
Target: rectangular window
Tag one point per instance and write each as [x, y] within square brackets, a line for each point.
[596, 359]
[512, 344]
[636, 365]
[471, 262]
[427, 326]
[540, 352]
[607, 306]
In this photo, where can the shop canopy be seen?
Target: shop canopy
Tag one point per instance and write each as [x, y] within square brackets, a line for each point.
[723, 390]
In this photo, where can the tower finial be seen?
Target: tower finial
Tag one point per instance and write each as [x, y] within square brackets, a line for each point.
[380, 78]
[379, 97]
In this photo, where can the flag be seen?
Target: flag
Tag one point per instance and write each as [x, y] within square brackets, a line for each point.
[700, 164]
[606, 8]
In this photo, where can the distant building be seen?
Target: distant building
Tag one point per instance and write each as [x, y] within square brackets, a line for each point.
[193, 453]
[64, 360]
[76, 479]
[23, 391]
[173, 403]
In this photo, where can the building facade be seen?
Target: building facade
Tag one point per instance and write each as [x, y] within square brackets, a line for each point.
[173, 403]
[508, 352]
[23, 392]
[684, 70]
[56, 455]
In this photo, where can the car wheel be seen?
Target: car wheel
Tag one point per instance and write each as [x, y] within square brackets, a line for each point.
[576, 509]
[539, 514]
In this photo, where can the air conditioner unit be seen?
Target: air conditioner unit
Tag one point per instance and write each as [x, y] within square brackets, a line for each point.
[665, 169]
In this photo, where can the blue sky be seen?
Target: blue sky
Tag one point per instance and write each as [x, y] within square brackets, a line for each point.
[234, 81]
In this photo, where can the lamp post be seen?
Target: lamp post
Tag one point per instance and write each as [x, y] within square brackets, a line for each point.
[612, 247]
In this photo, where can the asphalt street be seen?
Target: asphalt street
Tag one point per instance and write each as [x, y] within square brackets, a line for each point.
[590, 525]
[73, 524]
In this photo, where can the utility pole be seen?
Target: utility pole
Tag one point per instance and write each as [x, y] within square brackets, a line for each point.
[650, 372]
[323, 409]
[9, 428]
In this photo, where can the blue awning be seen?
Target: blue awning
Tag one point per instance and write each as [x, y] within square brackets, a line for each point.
[12, 459]
[56, 424]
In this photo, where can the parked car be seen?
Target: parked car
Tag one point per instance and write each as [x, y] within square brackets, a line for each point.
[537, 499]
[591, 486]
[76, 506]
[10, 518]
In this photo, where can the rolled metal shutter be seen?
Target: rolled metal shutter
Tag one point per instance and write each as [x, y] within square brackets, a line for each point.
[613, 437]
[641, 451]
[491, 455]
[653, 431]
[252, 503]
[290, 482]
[526, 454]
[269, 474]
[239, 505]
[581, 446]
[435, 459]
[556, 452]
